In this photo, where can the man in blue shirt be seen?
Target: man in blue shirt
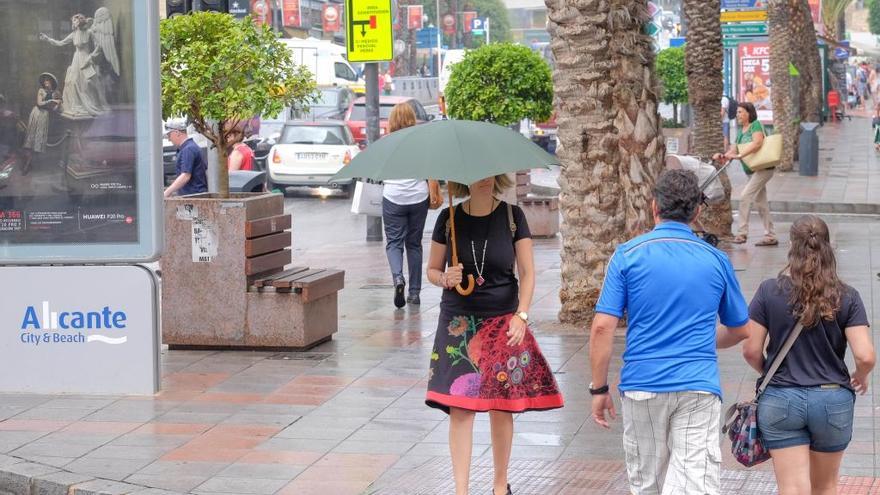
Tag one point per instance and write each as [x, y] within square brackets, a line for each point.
[673, 287]
[192, 170]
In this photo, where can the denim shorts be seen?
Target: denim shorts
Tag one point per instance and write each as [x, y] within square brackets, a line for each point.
[821, 417]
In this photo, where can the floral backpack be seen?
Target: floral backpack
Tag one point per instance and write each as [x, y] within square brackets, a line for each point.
[742, 418]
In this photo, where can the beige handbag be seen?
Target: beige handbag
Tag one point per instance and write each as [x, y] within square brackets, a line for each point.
[768, 156]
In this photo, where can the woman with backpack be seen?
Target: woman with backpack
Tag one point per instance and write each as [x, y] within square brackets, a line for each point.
[485, 358]
[751, 134]
[805, 416]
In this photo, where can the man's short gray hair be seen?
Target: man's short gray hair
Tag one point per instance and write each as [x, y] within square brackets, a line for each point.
[677, 193]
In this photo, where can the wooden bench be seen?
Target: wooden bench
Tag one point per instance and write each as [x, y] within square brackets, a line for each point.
[294, 308]
[240, 296]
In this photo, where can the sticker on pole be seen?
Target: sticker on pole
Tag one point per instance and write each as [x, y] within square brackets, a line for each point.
[368, 29]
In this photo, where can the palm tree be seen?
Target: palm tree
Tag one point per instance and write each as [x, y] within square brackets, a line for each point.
[779, 18]
[832, 13]
[806, 59]
[704, 57]
[609, 131]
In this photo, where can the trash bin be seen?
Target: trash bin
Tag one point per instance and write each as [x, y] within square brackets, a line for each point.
[808, 150]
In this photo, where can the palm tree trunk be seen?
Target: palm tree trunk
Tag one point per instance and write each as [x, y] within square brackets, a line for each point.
[704, 59]
[779, 18]
[807, 61]
[609, 129]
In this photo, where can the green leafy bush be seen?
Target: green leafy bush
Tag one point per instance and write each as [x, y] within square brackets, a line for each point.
[501, 83]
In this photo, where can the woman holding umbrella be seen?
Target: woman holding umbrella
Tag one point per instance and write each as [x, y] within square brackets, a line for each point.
[485, 359]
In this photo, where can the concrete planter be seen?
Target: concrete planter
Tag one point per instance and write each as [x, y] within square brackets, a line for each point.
[215, 248]
[678, 141]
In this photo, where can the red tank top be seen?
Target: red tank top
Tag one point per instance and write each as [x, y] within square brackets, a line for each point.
[247, 156]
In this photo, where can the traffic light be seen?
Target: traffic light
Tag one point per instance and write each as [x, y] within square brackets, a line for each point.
[210, 6]
[177, 7]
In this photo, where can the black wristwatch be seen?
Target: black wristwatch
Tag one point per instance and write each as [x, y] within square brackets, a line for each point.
[599, 391]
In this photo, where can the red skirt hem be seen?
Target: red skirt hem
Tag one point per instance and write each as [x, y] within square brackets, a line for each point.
[542, 403]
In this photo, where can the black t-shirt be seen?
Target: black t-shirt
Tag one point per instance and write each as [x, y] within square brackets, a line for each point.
[499, 294]
[817, 356]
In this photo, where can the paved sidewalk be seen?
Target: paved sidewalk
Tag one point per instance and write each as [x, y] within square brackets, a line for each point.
[848, 181]
[348, 417]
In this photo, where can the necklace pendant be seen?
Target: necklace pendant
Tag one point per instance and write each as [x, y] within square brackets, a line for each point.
[481, 280]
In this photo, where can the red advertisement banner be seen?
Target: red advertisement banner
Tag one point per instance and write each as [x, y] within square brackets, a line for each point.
[468, 21]
[292, 13]
[449, 24]
[414, 17]
[331, 17]
[754, 78]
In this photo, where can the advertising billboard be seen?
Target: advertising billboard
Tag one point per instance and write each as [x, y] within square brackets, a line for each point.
[754, 78]
[80, 155]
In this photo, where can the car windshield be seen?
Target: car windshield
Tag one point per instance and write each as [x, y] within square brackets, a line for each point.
[359, 112]
[329, 98]
[314, 134]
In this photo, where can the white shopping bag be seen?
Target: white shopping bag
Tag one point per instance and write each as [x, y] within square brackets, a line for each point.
[367, 199]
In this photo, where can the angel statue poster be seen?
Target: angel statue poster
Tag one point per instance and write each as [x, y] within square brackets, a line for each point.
[94, 67]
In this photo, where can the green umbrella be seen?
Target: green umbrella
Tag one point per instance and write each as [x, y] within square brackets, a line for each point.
[460, 151]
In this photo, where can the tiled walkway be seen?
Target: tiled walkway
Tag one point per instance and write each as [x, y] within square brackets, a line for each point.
[348, 417]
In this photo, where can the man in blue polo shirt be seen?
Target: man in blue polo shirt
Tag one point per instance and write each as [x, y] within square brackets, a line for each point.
[673, 287]
[192, 170]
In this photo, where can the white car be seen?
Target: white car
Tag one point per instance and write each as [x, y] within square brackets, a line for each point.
[310, 153]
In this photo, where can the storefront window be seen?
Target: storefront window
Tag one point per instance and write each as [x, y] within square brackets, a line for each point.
[73, 121]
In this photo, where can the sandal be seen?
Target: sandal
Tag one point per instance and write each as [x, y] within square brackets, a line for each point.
[740, 239]
[768, 241]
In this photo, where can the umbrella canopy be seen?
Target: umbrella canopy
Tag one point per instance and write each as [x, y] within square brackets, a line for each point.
[460, 151]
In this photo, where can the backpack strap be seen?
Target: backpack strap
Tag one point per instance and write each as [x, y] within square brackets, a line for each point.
[510, 220]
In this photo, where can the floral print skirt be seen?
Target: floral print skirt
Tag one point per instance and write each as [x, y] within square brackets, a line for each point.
[473, 368]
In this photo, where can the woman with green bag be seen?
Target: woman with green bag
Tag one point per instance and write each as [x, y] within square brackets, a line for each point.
[749, 141]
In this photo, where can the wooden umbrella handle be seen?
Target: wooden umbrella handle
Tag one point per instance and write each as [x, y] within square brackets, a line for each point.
[464, 291]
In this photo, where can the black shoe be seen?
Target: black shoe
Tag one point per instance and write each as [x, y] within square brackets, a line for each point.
[399, 298]
[509, 491]
[414, 300]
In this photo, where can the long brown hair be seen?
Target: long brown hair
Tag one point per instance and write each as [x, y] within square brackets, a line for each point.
[816, 288]
[402, 115]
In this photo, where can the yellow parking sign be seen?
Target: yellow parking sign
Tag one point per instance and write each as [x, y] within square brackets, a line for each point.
[369, 37]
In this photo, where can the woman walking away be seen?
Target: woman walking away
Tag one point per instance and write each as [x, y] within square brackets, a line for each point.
[404, 209]
[751, 133]
[805, 415]
[485, 358]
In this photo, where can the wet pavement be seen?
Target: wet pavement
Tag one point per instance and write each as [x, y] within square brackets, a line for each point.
[348, 417]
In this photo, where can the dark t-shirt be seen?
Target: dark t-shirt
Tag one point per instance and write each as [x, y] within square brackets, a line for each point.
[500, 293]
[817, 356]
[191, 161]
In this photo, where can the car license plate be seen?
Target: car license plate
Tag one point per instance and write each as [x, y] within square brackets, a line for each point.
[311, 156]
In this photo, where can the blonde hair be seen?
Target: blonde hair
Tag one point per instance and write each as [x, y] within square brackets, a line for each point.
[402, 116]
[502, 183]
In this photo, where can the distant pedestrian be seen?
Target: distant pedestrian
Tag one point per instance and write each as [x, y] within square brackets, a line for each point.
[192, 170]
[405, 204]
[751, 133]
[423, 70]
[725, 120]
[805, 416]
[875, 124]
[484, 356]
[673, 287]
[388, 87]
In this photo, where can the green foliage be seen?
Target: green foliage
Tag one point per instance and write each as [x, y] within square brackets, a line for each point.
[672, 74]
[874, 16]
[220, 72]
[501, 83]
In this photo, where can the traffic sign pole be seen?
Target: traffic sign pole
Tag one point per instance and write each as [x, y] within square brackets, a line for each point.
[371, 73]
[487, 30]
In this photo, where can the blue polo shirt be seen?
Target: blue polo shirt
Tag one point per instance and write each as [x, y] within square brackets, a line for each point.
[673, 286]
[191, 161]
